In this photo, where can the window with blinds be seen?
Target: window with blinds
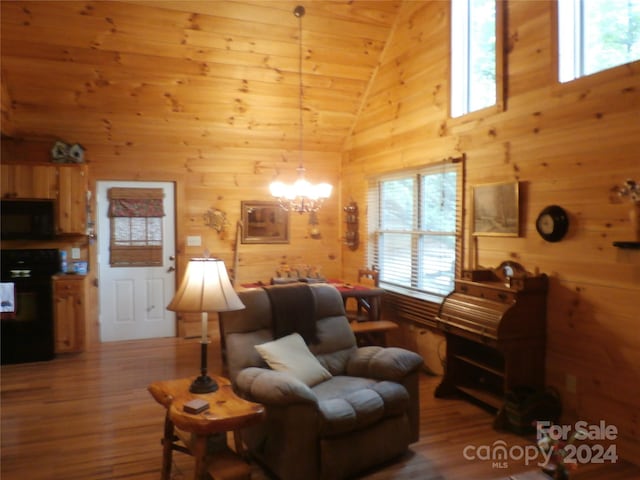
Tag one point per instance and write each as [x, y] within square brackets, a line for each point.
[415, 223]
[136, 226]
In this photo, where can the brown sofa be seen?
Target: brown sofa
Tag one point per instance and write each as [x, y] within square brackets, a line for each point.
[365, 414]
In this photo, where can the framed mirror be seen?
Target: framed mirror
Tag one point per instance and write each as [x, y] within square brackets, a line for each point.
[264, 222]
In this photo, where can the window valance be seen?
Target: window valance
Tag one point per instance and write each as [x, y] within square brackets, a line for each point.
[135, 202]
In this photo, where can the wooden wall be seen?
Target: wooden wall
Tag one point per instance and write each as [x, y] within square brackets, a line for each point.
[5, 109]
[219, 180]
[566, 145]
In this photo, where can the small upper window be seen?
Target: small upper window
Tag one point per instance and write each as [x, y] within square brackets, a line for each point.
[473, 55]
[594, 35]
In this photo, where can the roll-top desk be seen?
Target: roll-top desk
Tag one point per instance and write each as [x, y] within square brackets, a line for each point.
[495, 325]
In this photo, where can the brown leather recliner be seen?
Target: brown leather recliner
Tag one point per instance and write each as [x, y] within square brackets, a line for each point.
[366, 414]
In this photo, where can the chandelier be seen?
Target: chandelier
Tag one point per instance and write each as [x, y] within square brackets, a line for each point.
[301, 196]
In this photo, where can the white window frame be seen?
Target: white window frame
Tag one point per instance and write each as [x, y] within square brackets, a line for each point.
[572, 48]
[376, 233]
[460, 16]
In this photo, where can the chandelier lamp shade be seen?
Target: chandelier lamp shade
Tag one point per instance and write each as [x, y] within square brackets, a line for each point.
[302, 196]
[205, 288]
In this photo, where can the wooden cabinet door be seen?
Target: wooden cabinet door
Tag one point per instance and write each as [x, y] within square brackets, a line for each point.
[72, 199]
[67, 184]
[69, 314]
[28, 181]
[7, 188]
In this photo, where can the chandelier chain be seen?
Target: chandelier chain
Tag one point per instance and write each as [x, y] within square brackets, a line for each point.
[301, 196]
[299, 12]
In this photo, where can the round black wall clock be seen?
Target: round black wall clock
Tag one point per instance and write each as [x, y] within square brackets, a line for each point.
[552, 223]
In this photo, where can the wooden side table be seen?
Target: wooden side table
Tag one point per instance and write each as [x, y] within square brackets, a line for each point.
[374, 332]
[227, 412]
[367, 298]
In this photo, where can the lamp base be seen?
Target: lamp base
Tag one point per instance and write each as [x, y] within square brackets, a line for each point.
[203, 384]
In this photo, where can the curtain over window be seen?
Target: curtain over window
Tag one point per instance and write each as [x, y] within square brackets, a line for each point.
[136, 226]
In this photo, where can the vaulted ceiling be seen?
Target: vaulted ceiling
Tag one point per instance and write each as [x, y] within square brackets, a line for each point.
[189, 71]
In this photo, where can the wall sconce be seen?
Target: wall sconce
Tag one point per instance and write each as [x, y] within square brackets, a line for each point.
[215, 219]
[314, 229]
[351, 218]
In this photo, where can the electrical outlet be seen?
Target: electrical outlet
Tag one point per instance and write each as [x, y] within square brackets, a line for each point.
[75, 253]
[570, 383]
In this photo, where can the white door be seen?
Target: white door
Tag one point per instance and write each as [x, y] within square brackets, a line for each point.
[133, 300]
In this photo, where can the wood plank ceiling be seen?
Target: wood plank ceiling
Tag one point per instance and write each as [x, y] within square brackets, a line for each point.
[189, 71]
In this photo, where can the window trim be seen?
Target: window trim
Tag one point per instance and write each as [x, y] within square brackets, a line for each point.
[559, 88]
[373, 217]
[500, 104]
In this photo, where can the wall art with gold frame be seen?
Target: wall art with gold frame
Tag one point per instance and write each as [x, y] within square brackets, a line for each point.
[496, 209]
[264, 222]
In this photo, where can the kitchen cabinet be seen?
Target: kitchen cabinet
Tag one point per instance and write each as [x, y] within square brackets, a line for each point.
[67, 184]
[72, 199]
[69, 313]
[28, 181]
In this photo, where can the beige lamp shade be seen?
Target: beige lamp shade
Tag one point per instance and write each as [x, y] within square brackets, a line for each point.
[205, 288]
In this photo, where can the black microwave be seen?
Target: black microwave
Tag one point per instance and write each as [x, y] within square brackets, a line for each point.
[26, 219]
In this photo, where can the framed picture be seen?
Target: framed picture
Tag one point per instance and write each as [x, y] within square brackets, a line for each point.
[496, 209]
[264, 222]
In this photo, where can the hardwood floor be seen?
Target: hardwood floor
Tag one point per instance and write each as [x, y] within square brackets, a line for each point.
[90, 417]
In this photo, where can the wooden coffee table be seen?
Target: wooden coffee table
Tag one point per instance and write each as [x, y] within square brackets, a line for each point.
[205, 437]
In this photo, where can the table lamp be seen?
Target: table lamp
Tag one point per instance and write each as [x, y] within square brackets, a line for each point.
[205, 288]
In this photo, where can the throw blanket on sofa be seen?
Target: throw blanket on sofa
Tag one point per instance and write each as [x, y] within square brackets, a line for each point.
[293, 310]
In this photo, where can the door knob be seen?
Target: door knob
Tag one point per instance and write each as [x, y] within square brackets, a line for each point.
[171, 269]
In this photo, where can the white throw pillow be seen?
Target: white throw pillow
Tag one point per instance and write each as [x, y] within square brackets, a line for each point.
[290, 354]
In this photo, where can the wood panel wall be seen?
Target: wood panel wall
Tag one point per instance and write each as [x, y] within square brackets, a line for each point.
[219, 180]
[6, 117]
[566, 145]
